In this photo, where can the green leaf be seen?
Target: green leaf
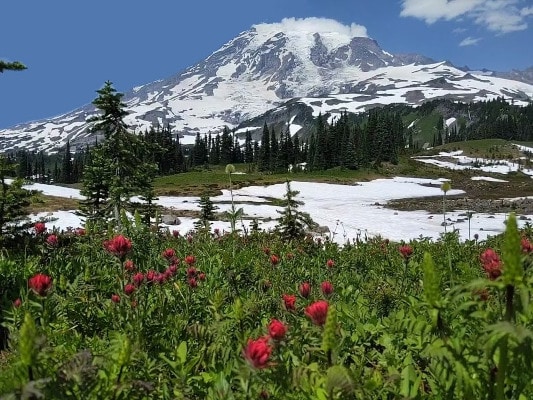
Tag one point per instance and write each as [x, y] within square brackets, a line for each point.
[181, 352]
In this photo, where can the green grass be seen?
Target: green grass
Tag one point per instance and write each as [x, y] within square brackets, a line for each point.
[484, 148]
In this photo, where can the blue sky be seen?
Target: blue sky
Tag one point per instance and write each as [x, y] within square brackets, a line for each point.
[71, 48]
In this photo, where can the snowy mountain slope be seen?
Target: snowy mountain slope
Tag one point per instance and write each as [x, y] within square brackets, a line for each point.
[261, 69]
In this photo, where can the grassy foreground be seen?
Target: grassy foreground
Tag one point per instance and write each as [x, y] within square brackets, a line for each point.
[92, 314]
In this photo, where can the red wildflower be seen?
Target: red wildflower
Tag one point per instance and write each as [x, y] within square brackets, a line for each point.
[257, 352]
[326, 287]
[526, 245]
[160, 278]
[168, 254]
[40, 284]
[115, 298]
[266, 250]
[318, 312]
[138, 278]
[129, 265]
[406, 251]
[17, 303]
[79, 232]
[150, 275]
[175, 233]
[491, 263]
[119, 246]
[190, 260]
[129, 289]
[290, 301]
[39, 228]
[277, 329]
[330, 263]
[305, 289]
[173, 268]
[192, 282]
[52, 241]
[191, 272]
[274, 259]
[201, 276]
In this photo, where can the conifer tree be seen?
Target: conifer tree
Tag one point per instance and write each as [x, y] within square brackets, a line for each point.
[292, 223]
[248, 148]
[207, 213]
[274, 152]
[14, 200]
[263, 161]
[226, 147]
[66, 165]
[11, 66]
[118, 168]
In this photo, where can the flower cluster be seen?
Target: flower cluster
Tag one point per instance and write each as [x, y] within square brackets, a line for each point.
[40, 284]
[318, 312]
[119, 246]
[406, 251]
[491, 263]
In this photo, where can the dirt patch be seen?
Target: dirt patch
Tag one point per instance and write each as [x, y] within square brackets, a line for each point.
[480, 196]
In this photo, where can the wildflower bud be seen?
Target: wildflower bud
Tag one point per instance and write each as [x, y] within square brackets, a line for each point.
[277, 329]
[257, 352]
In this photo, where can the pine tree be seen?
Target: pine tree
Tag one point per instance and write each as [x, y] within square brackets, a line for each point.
[66, 165]
[11, 66]
[226, 147]
[292, 222]
[263, 161]
[207, 213]
[118, 167]
[248, 148]
[14, 201]
[274, 152]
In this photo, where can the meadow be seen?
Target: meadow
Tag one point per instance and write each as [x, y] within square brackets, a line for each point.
[146, 313]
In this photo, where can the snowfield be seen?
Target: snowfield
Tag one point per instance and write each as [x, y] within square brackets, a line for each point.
[348, 211]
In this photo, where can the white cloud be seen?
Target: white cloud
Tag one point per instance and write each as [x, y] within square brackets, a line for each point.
[501, 16]
[319, 25]
[469, 41]
[527, 11]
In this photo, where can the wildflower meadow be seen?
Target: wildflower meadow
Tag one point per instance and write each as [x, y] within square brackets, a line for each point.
[142, 314]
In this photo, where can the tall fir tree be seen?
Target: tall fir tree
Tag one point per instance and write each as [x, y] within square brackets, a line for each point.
[263, 161]
[14, 200]
[66, 175]
[118, 167]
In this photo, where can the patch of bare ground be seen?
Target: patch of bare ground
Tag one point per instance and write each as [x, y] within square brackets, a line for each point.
[480, 196]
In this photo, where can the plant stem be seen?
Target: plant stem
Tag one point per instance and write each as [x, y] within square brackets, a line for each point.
[504, 356]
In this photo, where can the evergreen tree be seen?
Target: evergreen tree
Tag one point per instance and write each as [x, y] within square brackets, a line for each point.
[263, 161]
[226, 147]
[207, 213]
[248, 148]
[11, 66]
[292, 223]
[66, 165]
[319, 160]
[118, 167]
[274, 152]
[14, 201]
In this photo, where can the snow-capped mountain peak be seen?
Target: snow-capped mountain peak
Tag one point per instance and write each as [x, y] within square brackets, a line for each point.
[324, 64]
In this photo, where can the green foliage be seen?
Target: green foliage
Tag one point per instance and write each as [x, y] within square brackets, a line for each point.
[11, 66]
[14, 201]
[292, 223]
[118, 168]
[429, 328]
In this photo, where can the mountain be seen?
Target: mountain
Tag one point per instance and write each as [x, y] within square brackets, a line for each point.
[292, 73]
[525, 75]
